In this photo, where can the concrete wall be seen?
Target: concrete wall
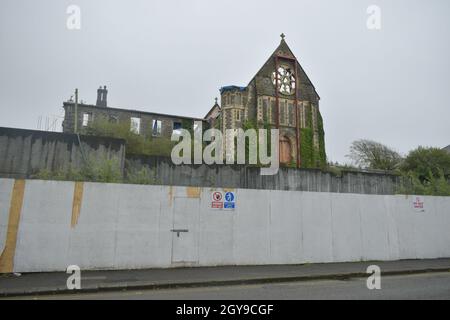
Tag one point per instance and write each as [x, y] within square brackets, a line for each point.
[164, 172]
[116, 226]
[25, 152]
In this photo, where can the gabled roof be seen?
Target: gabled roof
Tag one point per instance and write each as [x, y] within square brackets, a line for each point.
[215, 106]
[283, 50]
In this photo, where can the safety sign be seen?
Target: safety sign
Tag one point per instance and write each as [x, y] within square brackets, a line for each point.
[230, 201]
[223, 200]
[418, 204]
[217, 202]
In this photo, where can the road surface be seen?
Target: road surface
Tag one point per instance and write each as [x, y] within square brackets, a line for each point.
[418, 286]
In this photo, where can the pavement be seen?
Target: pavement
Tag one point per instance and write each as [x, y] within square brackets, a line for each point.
[28, 284]
[421, 286]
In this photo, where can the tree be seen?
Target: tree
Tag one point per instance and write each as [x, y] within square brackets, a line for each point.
[374, 155]
[425, 161]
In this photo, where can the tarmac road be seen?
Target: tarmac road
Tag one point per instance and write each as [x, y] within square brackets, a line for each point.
[417, 286]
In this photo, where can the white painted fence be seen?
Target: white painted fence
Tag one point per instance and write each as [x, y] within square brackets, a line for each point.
[130, 226]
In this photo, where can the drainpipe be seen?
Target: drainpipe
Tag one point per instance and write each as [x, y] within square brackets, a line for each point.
[76, 111]
[277, 104]
[297, 129]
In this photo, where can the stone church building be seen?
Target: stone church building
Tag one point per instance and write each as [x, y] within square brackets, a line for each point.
[280, 95]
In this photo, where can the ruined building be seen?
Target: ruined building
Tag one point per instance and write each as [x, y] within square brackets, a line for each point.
[280, 95]
[148, 124]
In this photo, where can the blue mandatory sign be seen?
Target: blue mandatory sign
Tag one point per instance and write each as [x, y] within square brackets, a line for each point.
[229, 196]
[229, 201]
[228, 205]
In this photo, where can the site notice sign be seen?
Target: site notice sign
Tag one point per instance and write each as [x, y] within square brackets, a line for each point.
[224, 200]
[418, 204]
[229, 203]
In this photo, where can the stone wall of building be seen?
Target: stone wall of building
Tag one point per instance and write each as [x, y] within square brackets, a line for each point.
[123, 116]
[295, 112]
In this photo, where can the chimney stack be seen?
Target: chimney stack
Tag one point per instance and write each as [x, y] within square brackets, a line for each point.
[101, 97]
[105, 93]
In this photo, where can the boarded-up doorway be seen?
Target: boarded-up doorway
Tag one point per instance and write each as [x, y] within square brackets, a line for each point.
[285, 150]
[185, 231]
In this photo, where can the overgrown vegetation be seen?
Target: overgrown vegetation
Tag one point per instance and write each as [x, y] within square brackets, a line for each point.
[148, 145]
[144, 175]
[424, 171]
[99, 170]
[322, 153]
[309, 155]
[104, 170]
[426, 162]
[432, 185]
[307, 147]
[136, 144]
[250, 124]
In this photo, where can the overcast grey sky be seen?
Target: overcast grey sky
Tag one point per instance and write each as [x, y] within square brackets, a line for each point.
[390, 85]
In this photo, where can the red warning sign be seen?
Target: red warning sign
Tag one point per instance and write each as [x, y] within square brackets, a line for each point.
[419, 205]
[217, 196]
[217, 205]
[217, 202]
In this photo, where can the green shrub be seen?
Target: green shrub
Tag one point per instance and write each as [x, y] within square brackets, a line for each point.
[142, 176]
[96, 170]
[427, 161]
[103, 170]
[411, 183]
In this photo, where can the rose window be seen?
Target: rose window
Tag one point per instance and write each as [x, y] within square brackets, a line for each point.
[286, 80]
